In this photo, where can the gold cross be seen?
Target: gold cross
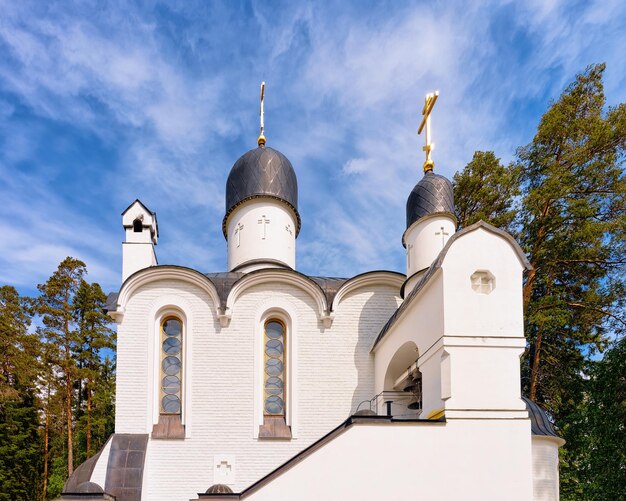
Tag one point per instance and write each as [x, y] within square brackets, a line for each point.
[430, 100]
[261, 139]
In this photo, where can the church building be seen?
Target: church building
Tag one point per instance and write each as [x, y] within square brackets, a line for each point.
[261, 383]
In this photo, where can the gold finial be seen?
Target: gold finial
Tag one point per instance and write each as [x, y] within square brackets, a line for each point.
[261, 140]
[430, 100]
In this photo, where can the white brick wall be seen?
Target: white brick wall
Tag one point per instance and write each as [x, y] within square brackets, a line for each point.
[334, 373]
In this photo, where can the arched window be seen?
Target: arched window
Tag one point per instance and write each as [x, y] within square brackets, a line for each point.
[171, 365]
[170, 344]
[274, 373]
[274, 380]
[137, 225]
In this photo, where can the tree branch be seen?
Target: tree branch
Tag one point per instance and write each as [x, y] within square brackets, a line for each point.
[599, 310]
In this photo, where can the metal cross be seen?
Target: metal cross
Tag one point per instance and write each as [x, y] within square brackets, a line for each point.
[428, 147]
[238, 233]
[443, 236]
[264, 222]
[261, 139]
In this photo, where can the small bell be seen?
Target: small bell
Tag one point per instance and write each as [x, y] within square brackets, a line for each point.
[415, 405]
[410, 386]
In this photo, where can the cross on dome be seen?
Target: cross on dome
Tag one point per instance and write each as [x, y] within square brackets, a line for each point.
[261, 139]
[429, 102]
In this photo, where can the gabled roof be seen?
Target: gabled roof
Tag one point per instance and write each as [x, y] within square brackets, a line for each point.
[437, 265]
[137, 201]
[140, 203]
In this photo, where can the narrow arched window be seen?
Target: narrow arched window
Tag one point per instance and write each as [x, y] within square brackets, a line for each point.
[171, 366]
[274, 381]
[137, 225]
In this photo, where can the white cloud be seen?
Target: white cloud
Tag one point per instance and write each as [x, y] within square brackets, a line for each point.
[345, 89]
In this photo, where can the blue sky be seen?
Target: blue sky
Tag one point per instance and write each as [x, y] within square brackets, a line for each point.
[105, 102]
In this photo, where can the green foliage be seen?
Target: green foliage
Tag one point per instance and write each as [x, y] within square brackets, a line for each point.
[573, 216]
[20, 447]
[57, 310]
[486, 190]
[95, 336]
[594, 461]
[18, 348]
[55, 382]
[58, 476]
[20, 454]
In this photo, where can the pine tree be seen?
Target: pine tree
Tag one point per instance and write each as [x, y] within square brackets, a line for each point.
[486, 190]
[56, 307]
[573, 219]
[95, 336]
[19, 423]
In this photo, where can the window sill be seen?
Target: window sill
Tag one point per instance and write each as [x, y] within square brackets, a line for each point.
[169, 427]
[274, 428]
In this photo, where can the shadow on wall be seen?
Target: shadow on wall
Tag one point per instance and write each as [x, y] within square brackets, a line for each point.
[375, 313]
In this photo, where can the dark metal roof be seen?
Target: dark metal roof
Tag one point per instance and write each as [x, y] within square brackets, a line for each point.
[330, 286]
[124, 475]
[82, 473]
[224, 282]
[433, 194]
[262, 172]
[437, 264]
[111, 302]
[274, 263]
[90, 488]
[540, 424]
[219, 489]
[140, 203]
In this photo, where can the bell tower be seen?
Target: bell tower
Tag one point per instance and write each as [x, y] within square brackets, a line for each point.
[142, 233]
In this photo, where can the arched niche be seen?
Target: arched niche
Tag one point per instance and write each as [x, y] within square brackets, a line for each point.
[402, 382]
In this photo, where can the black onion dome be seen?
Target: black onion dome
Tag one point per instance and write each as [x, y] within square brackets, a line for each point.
[262, 172]
[539, 422]
[219, 489]
[431, 195]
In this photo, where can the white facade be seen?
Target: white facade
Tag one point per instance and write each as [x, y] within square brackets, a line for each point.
[348, 345]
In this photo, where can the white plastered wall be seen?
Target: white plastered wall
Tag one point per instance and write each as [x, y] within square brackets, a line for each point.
[546, 468]
[484, 333]
[261, 229]
[331, 370]
[136, 256]
[467, 459]
[422, 323]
